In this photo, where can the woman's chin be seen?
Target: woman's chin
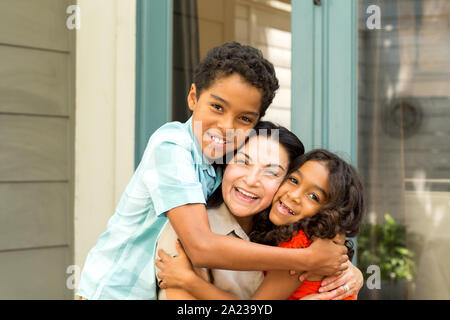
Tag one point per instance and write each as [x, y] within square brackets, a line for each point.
[242, 210]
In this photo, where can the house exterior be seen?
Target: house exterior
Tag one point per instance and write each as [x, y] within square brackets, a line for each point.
[83, 84]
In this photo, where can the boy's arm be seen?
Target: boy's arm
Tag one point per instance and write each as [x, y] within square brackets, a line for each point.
[277, 285]
[182, 282]
[210, 250]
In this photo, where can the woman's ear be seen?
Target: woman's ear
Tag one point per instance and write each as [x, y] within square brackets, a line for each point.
[192, 97]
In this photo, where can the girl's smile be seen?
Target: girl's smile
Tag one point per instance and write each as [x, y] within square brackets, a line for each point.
[302, 195]
[284, 209]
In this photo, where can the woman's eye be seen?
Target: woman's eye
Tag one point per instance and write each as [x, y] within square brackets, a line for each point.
[271, 173]
[241, 161]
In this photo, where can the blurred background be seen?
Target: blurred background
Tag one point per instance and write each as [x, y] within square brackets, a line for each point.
[79, 101]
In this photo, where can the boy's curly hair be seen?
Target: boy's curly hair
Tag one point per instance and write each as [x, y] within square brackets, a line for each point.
[343, 212]
[247, 61]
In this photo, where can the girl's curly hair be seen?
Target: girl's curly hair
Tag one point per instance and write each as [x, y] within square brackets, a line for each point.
[247, 61]
[343, 212]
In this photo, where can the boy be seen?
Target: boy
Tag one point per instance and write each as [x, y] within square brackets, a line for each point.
[233, 87]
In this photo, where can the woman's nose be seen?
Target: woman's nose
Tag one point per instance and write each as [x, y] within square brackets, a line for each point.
[252, 177]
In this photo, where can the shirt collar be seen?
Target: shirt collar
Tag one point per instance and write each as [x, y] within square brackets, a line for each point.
[222, 221]
[199, 157]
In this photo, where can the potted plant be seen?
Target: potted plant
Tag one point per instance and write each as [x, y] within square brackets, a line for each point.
[384, 245]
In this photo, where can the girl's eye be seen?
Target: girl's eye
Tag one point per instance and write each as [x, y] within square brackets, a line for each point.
[314, 197]
[293, 180]
[217, 107]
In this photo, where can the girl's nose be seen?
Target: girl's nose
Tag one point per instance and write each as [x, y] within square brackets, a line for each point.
[295, 195]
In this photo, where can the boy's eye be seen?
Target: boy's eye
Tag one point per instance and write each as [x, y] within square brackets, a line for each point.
[246, 119]
[217, 107]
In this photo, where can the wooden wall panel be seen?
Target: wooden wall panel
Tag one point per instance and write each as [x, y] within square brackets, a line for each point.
[33, 81]
[34, 274]
[33, 215]
[39, 24]
[33, 148]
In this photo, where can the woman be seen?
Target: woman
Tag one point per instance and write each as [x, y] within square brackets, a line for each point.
[249, 184]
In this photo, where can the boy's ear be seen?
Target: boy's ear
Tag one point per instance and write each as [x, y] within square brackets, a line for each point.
[192, 97]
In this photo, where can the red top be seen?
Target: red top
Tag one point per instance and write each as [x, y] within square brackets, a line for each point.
[307, 287]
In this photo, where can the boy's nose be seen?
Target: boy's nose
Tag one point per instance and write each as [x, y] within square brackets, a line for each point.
[226, 123]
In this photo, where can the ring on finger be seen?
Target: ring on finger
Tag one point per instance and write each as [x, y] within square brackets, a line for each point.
[346, 287]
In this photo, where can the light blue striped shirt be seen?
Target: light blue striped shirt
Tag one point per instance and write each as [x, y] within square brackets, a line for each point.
[173, 172]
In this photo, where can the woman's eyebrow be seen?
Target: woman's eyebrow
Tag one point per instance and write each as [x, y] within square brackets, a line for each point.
[246, 155]
[275, 165]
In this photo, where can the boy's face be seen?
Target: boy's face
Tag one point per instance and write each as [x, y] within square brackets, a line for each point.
[224, 114]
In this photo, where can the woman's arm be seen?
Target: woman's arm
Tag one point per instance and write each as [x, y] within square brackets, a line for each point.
[210, 250]
[178, 276]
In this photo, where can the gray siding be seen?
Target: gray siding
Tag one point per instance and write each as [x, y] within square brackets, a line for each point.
[36, 149]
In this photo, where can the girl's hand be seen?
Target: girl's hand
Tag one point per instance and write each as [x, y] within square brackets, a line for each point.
[176, 272]
[352, 278]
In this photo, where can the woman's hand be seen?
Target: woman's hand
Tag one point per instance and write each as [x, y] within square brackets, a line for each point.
[351, 279]
[318, 296]
[176, 272]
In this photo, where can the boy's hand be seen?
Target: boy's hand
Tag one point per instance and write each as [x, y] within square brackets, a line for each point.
[327, 257]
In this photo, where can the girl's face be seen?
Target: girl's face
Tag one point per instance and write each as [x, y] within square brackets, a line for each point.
[302, 195]
[254, 175]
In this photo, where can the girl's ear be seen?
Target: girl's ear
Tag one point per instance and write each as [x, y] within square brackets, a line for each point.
[192, 97]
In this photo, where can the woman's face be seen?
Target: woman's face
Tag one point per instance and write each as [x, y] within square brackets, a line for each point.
[254, 175]
[302, 194]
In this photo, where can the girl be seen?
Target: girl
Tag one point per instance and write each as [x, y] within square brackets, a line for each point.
[320, 178]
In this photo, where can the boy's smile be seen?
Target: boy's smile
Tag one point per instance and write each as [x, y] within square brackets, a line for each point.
[223, 114]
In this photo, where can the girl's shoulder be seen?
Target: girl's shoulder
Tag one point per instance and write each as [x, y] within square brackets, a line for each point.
[299, 240]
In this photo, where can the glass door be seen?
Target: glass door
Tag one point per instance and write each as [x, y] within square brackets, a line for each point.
[403, 147]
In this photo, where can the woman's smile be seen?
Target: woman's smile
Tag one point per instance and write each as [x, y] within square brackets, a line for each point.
[253, 176]
[245, 195]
